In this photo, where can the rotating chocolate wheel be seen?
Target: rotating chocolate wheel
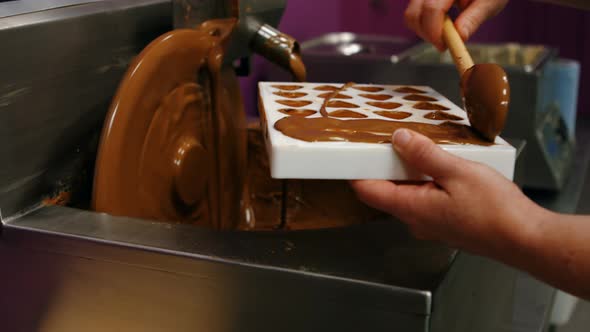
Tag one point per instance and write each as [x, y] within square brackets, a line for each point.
[174, 136]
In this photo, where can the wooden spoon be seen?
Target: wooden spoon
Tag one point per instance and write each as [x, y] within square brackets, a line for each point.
[484, 87]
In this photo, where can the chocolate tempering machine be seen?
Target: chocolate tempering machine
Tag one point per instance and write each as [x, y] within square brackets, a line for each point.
[68, 268]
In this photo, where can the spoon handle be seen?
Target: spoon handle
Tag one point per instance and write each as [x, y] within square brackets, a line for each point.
[456, 46]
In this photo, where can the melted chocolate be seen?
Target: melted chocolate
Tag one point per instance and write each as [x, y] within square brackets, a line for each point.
[388, 105]
[369, 88]
[346, 114]
[289, 46]
[326, 88]
[264, 192]
[297, 204]
[294, 103]
[288, 87]
[380, 97]
[372, 130]
[394, 114]
[329, 103]
[415, 97]
[297, 66]
[315, 204]
[290, 94]
[332, 96]
[158, 156]
[438, 115]
[297, 112]
[426, 106]
[486, 95]
[407, 89]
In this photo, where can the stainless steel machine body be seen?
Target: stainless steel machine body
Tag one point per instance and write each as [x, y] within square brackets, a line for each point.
[68, 269]
[537, 109]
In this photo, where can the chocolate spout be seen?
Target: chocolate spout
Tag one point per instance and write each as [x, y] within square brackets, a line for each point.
[280, 49]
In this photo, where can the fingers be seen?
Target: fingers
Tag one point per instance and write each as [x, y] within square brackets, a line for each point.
[431, 22]
[412, 16]
[378, 194]
[403, 201]
[475, 13]
[426, 18]
[425, 156]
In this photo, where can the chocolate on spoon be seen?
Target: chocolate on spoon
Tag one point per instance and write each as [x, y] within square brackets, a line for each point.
[484, 87]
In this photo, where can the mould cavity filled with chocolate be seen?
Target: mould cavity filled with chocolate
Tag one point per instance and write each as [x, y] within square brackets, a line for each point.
[290, 94]
[288, 87]
[384, 104]
[426, 106]
[295, 103]
[407, 89]
[396, 115]
[326, 88]
[368, 88]
[297, 112]
[417, 97]
[380, 97]
[340, 104]
[346, 114]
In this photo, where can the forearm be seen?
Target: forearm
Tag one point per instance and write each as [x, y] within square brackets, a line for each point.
[557, 251]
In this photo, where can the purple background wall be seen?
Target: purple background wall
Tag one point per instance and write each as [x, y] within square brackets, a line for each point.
[521, 21]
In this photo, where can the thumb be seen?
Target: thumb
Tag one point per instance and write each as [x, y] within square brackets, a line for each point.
[422, 154]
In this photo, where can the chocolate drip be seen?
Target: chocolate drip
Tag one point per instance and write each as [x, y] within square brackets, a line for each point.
[340, 104]
[297, 67]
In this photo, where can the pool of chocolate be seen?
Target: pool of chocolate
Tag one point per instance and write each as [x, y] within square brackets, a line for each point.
[326, 129]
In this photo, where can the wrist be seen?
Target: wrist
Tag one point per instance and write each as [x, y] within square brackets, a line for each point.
[521, 235]
[525, 242]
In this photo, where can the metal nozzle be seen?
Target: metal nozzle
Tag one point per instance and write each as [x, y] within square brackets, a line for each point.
[279, 48]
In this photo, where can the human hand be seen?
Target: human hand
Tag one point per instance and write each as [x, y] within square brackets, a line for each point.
[426, 17]
[468, 206]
